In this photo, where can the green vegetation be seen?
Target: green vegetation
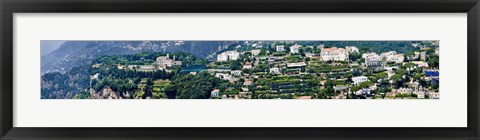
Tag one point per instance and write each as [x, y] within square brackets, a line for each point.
[254, 73]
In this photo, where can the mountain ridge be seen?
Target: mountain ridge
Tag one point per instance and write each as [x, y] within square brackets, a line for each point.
[74, 53]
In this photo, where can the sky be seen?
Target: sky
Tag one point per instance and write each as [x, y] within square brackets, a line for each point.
[47, 46]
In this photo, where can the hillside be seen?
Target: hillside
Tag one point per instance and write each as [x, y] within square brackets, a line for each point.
[74, 53]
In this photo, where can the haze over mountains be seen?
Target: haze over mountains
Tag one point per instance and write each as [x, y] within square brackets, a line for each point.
[78, 53]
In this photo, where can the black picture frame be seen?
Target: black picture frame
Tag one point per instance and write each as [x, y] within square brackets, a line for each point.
[9, 7]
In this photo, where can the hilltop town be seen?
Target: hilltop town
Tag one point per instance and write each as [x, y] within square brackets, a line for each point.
[257, 70]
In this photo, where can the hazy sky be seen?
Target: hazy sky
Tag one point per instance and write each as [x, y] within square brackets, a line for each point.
[47, 46]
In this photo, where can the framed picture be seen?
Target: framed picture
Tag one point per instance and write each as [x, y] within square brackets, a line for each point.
[266, 69]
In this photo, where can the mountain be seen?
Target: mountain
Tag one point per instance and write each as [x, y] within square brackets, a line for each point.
[76, 53]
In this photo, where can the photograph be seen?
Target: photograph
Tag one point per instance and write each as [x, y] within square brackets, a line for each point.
[239, 69]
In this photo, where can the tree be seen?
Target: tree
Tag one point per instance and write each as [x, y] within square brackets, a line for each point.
[354, 56]
[195, 86]
[365, 84]
[355, 88]
[381, 75]
[396, 77]
[433, 61]
[356, 72]
[170, 91]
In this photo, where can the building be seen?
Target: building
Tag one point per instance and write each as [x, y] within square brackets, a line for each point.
[359, 79]
[433, 95]
[275, 70]
[311, 55]
[421, 64]
[369, 55]
[165, 61]
[146, 68]
[402, 91]
[415, 56]
[247, 66]
[223, 76]
[365, 91]
[256, 52]
[387, 54]
[236, 72]
[397, 58]
[334, 54]
[248, 83]
[295, 49]
[351, 49]
[297, 64]
[373, 61]
[280, 48]
[175, 63]
[228, 55]
[215, 93]
[437, 51]
[423, 56]
[420, 93]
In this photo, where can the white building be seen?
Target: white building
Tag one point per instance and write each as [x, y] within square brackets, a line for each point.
[434, 95]
[364, 91]
[248, 83]
[372, 59]
[359, 79]
[311, 55]
[223, 76]
[397, 58]
[228, 55]
[403, 91]
[236, 72]
[165, 61]
[95, 76]
[247, 66]
[256, 52]
[321, 46]
[421, 64]
[368, 55]
[280, 48]
[351, 49]
[387, 54]
[334, 54]
[423, 56]
[297, 64]
[295, 49]
[215, 93]
[420, 93]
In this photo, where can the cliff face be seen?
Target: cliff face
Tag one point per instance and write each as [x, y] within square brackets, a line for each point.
[64, 85]
[105, 93]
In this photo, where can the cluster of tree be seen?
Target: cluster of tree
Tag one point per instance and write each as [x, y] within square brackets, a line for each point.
[148, 58]
[148, 89]
[197, 86]
[64, 85]
[114, 72]
[433, 61]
